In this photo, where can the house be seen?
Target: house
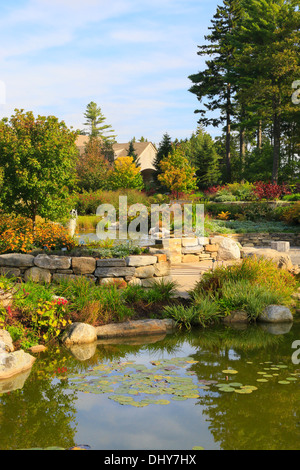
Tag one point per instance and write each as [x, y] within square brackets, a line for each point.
[146, 153]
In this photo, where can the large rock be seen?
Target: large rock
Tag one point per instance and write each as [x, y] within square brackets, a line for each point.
[52, 262]
[137, 261]
[282, 260]
[83, 265]
[162, 269]
[238, 316]
[276, 314]
[115, 272]
[228, 249]
[6, 343]
[6, 297]
[16, 260]
[79, 333]
[143, 272]
[135, 328]
[37, 275]
[111, 263]
[14, 363]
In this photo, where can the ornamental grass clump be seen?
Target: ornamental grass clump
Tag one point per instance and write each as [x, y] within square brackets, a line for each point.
[250, 286]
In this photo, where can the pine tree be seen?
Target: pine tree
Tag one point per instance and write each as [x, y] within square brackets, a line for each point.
[95, 122]
[132, 153]
[204, 157]
[165, 148]
[267, 62]
[214, 83]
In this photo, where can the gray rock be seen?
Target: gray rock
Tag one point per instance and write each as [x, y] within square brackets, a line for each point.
[238, 316]
[138, 261]
[6, 343]
[143, 272]
[14, 363]
[282, 260]
[10, 272]
[52, 262]
[192, 250]
[162, 269]
[111, 263]
[6, 298]
[115, 272]
[16, 260]
[83, 265]
[37, 275]
[79, 333]
[135, 328]
[276, 314]
[228, 248]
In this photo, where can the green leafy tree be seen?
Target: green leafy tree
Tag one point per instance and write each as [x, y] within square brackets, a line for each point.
[38, 157]
[93, 166]
[125, 175]
[95, 122]
[177, 174]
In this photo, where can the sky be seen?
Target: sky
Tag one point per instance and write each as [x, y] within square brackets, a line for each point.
[131, 57]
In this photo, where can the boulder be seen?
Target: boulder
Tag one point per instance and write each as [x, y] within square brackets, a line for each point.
[16, 260]
[144, 272]
[6, 343]
[79, 333]
[238, 316]
[37, 275]
[10, 272]
[111, 263]
[14, 363]
[228, 249]
[135, 328]
[83, 265]
[138, 261]
[115, 272]
[276, 314]
[6, 298]
[189, 242]
[162, 269]
[52, 262]
[282, 260]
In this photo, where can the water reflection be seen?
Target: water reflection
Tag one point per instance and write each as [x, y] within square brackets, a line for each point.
[42, 411]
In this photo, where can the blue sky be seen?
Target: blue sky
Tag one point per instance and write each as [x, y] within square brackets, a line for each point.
[132, 57]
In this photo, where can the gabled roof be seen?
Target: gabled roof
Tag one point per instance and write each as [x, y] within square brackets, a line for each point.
[121, 150]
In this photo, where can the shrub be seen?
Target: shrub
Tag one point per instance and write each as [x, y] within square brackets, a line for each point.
[291, 215]
[257, 272]
[270, 191]
[16, 235]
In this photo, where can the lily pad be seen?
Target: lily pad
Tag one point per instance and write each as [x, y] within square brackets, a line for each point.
[230, 371]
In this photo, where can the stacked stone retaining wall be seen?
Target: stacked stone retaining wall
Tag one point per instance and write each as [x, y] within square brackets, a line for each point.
[141, 270]
[197, 249]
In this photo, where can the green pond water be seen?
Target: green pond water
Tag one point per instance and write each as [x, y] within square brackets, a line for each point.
[218, 388]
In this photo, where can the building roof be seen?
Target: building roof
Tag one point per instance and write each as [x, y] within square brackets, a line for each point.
[121, 150]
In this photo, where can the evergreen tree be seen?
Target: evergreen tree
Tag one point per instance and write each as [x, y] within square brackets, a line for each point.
[132, 153]
[214, 83]
[204, 157]
[267, 62]
[165, 148]
[95, 121]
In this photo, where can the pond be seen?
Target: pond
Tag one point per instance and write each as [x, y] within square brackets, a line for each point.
[219, 388]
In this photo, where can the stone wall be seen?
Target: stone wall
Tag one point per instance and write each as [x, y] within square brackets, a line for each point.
[194, 250]
[141, 270]
[265, 239]
[220, 247]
